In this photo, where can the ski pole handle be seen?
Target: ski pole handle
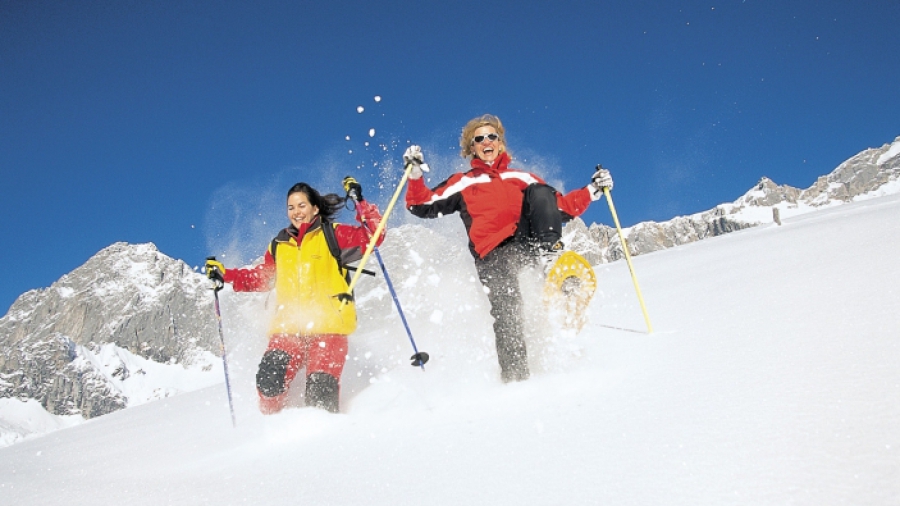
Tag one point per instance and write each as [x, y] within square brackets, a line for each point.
[218, 284]
[352, 187]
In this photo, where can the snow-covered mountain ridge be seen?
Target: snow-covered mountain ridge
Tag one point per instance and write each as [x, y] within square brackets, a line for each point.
[871, 173]
[133, 325]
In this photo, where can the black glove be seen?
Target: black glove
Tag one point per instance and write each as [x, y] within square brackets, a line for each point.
[215, 270]
[353, 188]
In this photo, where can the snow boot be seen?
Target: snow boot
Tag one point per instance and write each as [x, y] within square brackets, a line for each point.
[322, 391]
[270, 378]
[270, 381]
[548, 254]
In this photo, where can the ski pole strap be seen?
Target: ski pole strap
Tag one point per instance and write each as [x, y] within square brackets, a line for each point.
[364, 271]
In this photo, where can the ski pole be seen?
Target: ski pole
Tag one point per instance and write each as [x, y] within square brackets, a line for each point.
[218, 284]
[612, 210]
[371, 246]
[419, 358]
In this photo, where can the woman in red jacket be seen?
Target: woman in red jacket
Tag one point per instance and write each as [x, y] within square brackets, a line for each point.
[306, 264]
[511, 216]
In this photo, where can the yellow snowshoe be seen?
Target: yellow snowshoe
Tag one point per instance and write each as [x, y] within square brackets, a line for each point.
[568, 290]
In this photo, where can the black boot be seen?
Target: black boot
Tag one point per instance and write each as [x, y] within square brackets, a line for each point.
[322, 391]
[548, 254]
[270, 379]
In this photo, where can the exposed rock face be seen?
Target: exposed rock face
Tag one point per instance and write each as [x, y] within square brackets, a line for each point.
[651, 236]
[578, 237]
[130, 295]
[861, 174]
[864, 173]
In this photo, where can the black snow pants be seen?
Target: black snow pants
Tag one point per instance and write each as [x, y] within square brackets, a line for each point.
[499, 273]
[541, 224]
[541, 221]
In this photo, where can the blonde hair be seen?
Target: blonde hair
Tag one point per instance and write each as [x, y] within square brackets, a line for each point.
[468, 133]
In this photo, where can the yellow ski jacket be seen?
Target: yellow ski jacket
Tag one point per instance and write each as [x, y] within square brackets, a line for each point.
[308, 278]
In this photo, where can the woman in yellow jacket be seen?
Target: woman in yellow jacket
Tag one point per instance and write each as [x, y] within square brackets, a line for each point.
[314, 316]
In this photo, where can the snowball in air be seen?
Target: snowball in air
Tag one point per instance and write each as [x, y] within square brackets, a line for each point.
[371, 132]
[378, 98]
[360, 109]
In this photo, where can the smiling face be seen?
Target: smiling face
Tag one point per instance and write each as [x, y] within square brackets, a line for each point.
[487, 150]
[299, 210]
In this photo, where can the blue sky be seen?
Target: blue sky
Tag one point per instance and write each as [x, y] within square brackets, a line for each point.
[183, 123]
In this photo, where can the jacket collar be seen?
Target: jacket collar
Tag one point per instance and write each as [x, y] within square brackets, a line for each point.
[501, 164]
[292, 232]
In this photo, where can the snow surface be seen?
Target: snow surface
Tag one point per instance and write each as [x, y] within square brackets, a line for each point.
[23, 418]
[771, 378]
[151, 380]
[138, 379]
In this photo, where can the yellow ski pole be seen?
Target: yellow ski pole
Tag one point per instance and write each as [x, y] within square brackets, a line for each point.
[612, 209]
[378, 230]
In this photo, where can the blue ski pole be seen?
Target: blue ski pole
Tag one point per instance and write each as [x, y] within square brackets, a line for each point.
[419, 358]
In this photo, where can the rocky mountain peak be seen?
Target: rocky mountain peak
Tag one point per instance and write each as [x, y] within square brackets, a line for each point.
[768, 193]
[131, 296]
[863, 173]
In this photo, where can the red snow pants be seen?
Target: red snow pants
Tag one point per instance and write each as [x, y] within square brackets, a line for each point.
[287, 354]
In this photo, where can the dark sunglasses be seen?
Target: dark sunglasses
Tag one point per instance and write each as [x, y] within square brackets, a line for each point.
[480, 138]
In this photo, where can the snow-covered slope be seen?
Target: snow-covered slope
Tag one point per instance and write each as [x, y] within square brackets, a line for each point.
[771, 378]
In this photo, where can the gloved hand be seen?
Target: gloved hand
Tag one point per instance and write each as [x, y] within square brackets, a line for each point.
[353, 188]
[215, 270]
[413, 156]
[600, 180]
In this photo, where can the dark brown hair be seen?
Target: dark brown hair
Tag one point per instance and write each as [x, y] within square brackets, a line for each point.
[328, 204]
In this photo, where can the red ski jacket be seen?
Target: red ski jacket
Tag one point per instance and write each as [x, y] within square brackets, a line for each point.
[488, 199]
